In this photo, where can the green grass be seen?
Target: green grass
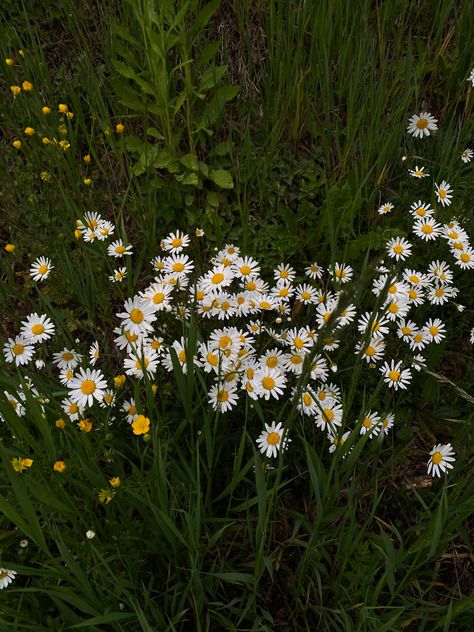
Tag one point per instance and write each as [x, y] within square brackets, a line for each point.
[279, 126]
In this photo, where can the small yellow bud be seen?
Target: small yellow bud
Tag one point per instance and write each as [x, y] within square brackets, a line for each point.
[45, 109]
[119, 381]
[46, 176]
[119, 128]
[62, 129]
[70, 115]
[154, 388]
[9, 62]
[87, 182]
[21, 53]
[60, 423]
[86, 158]
[27, 86]
[15, 89]
[17, 144]
[77, 233]
[45, 140]
[59, 466]
[62, 107]
[29, 131]
[10, 247]
[115, 481]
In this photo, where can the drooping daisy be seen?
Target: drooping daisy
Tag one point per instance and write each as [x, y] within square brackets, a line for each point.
[223, 396]
[441, 459]
[175, 242]
[385, 208]
[105, 230]
[272, 439]
[418, 172]
[422, 125]
[394, 375]
[6, 577]
[118, 249]
[94, 353]
[119, 275]
[41, 268]
[444, 193]
[138, 316]
[37, 328]
[467, 155]
[471, 77]
[86, 386]
[18, 350]
[336, 440]
[398, 248]
[67, 359]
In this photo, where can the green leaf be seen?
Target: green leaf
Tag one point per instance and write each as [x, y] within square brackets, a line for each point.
[213, 199]
[191, 179]
[211, 77]
[190, 162]
[222, 178]
[124, 70]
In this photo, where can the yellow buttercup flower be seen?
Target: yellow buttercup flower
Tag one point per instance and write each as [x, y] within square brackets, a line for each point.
[10, 247]
[29, 131]
[45, 140]
[15, 90]
[86, 158]
[21, 53]
[60, 423]
[70, 115]
[115, 481]
[119, 128]
[45, 109]
[85, 425]
[119, 381]
[17, 144]
[77, 233]
[59, 466]
[87, 182]
[9, 61]
[64, 145]
[46, 176]
[105, 496]
[141, 425]
[63, 108]
[19, 464]
[27, 86]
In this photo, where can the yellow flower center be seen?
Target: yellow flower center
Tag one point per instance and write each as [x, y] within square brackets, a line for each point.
[182, 356]
[268, 383]
[442, 193]
[434, 330]
[453, 234]
[217, 278]
[422, 123]
[245, 270]
[88, 387]
[394, 375]
[136, 316]
[37, 329]
[43, 268]
[298, 343]
[212, 359]
[132, 410]
[367, 423]
[439, 292]
[73, 408]
[224, 341]
[406, 331]
[67, 356]
[437, 457]
[393, 309]
[427, 229]
[272, 362]
[398, 249]
[273, 438]
[306, 295]
[296, 359]
[176, 243]
[222, 395]
[251, 285]
[465, 257]
[18, 349]
[392, 289]
[265, 305]
[178, 266]
[328, 414]
[307, 399]
[413, 278]
[370, 351]
[120, 250]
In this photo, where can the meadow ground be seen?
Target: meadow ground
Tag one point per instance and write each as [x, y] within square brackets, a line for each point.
[237, 315]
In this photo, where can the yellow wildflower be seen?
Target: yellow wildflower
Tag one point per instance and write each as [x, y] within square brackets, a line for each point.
[15, 89]
[63, 108]
[141, 425]
[59, 466]
[87, 182]
[45, 109]
[19, 464]
[86, 158]
[27, 86]
[85, 425]
[119, 128]
[60, 423]
[17, 144]
[9, 61]
[115, 481]
[105, 496]
[10, 247]
[29, 131]
[119, 381]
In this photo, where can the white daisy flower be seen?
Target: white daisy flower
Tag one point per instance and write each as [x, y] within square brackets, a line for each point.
[441, 459]
[394, 375]
[439, 271]
[336, 440]
[218, 278]
[272, 439]
[130, 408]
[371, 351]
[471, 77]
[178, 265]
[406, 329]
[435, 330]
[439, 295]
[467, 155]
[398, 248]
[418, 172]
[269, 383]
[67, 359]
[139, 362]
[285, 272]
[105, 230]
[342, 272]
[72, 409]
[138, 316]
[175, 242]
[422, 125]
[41, 268]
[421, 209]
[385, 208]
[223, 396]
[18, 350]
[37, 328]
[427, 228]
[369, 422]
[419, 340]
[465, 258]
[6, 577]
[86, 386]
[444, 193]
[118, 249]
[245, 267]
[314, 271]
[306, 294]
[328, 415]
[119, 275]
[94, 353]
[385, 424]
